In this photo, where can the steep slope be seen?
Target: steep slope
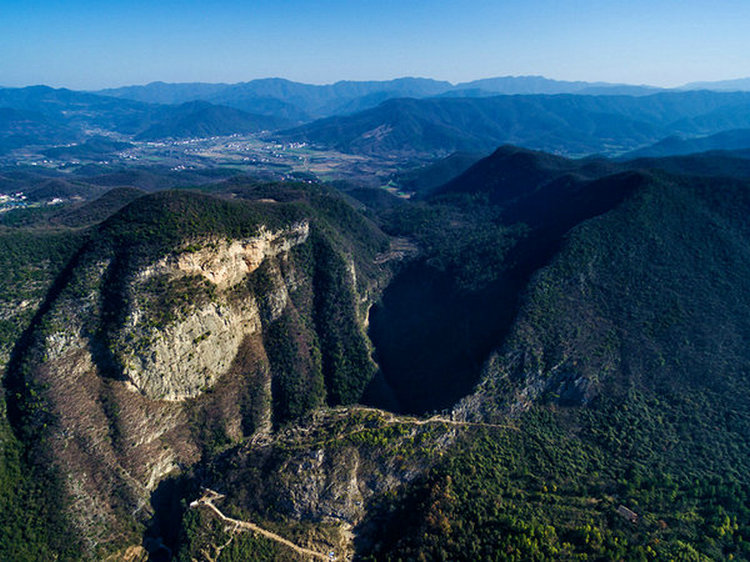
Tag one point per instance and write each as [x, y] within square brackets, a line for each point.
[32, 527]
[426, 178]
[511, 172]
[681, 257]
[580, 324]
[720, 163]
[627, 372]
[606, 415]
[185, 324]
[483, 235]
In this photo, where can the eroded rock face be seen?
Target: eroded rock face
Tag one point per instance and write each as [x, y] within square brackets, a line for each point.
[145, 363]
[191, 318]
[181, 358]
[184, 359]
[108, 441]
[226, 262]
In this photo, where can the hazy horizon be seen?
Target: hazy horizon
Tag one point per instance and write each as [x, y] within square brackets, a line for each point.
[329, 83]
[88, 45]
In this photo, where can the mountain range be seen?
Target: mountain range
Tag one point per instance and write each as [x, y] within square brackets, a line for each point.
[304, 102]
[537, 358]
[567, 124]
[40, 115]
[404, 116]
[732, 139]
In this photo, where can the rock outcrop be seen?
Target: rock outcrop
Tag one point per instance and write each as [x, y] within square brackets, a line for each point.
[127, 393]
[182, 357]
[184, 325]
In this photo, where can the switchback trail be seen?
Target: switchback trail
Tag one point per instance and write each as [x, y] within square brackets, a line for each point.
[208, 500]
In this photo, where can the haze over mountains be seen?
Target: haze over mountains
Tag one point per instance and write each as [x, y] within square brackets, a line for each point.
[307, 101]
[385, 321]
[409, 116]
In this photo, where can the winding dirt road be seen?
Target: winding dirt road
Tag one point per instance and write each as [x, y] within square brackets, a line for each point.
[393, 418]
[210, 496]
[208, 500]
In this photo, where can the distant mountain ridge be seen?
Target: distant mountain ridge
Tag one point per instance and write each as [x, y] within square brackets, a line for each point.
[736, 85]
[734, 139]
[564, 124]
[406, 116]
[304, 102]
[40, 115]
[202, 119]
[307, 101]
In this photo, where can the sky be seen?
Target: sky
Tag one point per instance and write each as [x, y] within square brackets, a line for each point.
[82, 44]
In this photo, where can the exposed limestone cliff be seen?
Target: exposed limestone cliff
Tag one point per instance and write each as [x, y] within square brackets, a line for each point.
[330, 471]
[183, 325]
[226, 262]
[140, 367]
[182, 357]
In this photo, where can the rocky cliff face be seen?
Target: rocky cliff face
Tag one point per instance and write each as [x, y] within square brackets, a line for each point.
[182, 355]
[331, 471]
[227, 262]
[136, 372]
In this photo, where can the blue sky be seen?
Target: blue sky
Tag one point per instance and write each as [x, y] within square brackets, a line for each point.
[83, 44]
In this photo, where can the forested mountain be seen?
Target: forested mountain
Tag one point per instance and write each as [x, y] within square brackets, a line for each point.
[735, 139]
[426, 178]
[80, 109]
[303, 102]
[44, 116]
[21, 128]
[603, 365]
[164, 93]
[305, 251]
[470, 347]
[563, 123]
[202, 119]
[415, 124]
[551, 354]
[284, 98]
